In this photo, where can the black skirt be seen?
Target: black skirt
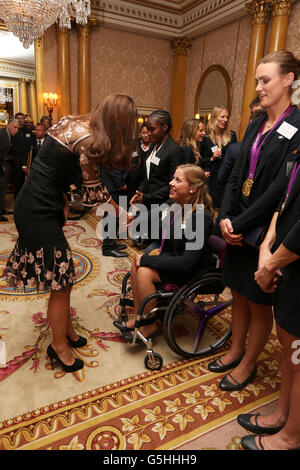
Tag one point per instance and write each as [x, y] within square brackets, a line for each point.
[240, 264]
[286, 300]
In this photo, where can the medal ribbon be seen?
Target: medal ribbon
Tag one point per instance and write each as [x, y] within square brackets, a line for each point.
[255, 150]
[295, 170]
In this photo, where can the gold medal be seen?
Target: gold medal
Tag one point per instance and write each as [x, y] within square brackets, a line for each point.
[154, 252]
[247, 186]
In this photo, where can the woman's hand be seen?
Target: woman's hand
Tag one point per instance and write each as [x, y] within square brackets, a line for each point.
[137, 198]
[130, 218]
[266, 279]
[217, 154]
[207, 174]
[227, 233]
[137, 260]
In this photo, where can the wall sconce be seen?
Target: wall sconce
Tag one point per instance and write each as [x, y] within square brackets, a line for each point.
[50, 100]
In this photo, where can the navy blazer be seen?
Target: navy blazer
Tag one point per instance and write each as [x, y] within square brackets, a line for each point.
[232, 153]
[288, 222]
[269, 180]
[156, 189]
[4, 142]
[34, 145]
[206, 153]
[4, 146]
[181, 261]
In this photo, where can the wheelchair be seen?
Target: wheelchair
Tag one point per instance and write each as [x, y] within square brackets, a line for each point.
[187, 313]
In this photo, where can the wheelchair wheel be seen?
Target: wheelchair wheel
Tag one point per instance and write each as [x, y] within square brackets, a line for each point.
[191, 327]
[153, 361]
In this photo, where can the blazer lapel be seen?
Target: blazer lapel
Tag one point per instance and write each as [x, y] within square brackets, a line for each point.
[249, 137]
[272, 142]
[159, 155]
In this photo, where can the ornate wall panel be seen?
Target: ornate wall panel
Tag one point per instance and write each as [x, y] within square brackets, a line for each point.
[130, 63]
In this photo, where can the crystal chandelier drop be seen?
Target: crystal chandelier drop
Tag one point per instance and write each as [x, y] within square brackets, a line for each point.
[28, 19]
[5, 97]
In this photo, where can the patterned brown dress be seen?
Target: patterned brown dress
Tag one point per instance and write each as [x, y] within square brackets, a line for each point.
[42, 257]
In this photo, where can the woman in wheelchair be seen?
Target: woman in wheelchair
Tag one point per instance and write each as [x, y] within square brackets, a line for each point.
[180, 258]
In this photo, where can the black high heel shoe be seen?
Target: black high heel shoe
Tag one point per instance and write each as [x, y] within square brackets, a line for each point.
[79, 343]
[77, 365]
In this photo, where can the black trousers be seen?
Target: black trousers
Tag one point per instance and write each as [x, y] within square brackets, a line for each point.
[3, 186]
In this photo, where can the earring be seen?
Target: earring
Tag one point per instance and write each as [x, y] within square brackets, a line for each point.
[191, 191]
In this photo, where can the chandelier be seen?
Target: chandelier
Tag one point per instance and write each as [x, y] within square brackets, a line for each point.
[28, 19]
[5, 97]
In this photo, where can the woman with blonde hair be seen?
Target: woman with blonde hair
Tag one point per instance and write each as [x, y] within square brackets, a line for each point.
[190, 137]
[176, 262]
[213, 149]
[42, 257]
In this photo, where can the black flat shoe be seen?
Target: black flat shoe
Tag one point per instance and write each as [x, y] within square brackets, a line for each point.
[249, 443]
[218, 366]
[77, 364]
[229, 386]
[244, 420]
[115, 253]
[79, 343]
[123, 328]
[121, 246]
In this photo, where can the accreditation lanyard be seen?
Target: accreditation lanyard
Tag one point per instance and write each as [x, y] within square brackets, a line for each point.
[295, 170]
[255, 150]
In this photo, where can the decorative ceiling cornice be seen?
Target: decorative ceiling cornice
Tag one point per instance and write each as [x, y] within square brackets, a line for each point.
[167, 19]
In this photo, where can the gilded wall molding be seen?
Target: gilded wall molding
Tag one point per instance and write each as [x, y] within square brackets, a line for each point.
[181, 46]
[167, 19]
[260, 10]
[16, 70]
[281, 7]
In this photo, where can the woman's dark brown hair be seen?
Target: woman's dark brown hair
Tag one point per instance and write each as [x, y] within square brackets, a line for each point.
[112, 125]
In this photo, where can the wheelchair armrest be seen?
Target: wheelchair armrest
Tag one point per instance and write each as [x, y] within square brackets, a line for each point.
[218, 246]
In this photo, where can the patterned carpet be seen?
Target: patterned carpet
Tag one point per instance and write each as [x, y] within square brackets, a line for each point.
[114, 402]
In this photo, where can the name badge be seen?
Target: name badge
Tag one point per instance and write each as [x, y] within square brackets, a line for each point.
[27, 135]
[155, 160]
[214, 149]
[287, 130]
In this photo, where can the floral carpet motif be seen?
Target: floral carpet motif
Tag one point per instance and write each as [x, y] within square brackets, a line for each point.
[113, 403]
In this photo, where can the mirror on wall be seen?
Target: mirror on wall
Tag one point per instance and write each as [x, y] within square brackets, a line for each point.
[214, 89]
[17, 77]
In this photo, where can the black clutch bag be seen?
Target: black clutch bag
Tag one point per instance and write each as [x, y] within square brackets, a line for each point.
[255, 236]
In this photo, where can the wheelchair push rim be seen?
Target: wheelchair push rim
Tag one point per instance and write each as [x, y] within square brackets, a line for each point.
[189, 324]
